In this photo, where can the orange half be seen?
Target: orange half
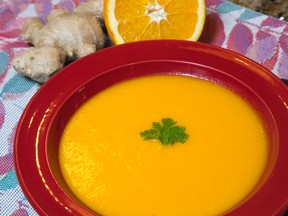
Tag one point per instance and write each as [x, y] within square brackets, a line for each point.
[136, 20]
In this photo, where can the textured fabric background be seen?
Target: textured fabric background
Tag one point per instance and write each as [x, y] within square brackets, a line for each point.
[259, 37]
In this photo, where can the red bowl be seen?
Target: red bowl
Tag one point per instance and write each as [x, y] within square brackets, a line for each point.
[42, 123]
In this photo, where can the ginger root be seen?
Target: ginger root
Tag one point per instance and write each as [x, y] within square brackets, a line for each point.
[93, 8]
[65, 37]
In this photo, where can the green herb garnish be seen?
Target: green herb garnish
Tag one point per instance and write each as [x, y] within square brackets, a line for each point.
[167, 133]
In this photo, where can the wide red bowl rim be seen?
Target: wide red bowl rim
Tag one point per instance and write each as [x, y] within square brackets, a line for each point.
[30, 153]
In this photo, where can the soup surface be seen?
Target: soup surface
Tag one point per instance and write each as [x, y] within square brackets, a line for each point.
[114, 171]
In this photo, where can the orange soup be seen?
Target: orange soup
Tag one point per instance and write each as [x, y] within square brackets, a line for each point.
[115, 172]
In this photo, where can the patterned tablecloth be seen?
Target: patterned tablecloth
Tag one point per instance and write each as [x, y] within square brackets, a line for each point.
[259, 37]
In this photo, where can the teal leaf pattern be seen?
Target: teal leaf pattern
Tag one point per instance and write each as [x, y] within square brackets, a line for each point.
[17, 84]
[249, 14]
[9, 181]
[4, 59]
[227, 7]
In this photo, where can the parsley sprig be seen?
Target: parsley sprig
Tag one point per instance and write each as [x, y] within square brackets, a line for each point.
[167, 133]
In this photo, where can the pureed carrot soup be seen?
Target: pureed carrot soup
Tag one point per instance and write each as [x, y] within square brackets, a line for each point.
[109, 165]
